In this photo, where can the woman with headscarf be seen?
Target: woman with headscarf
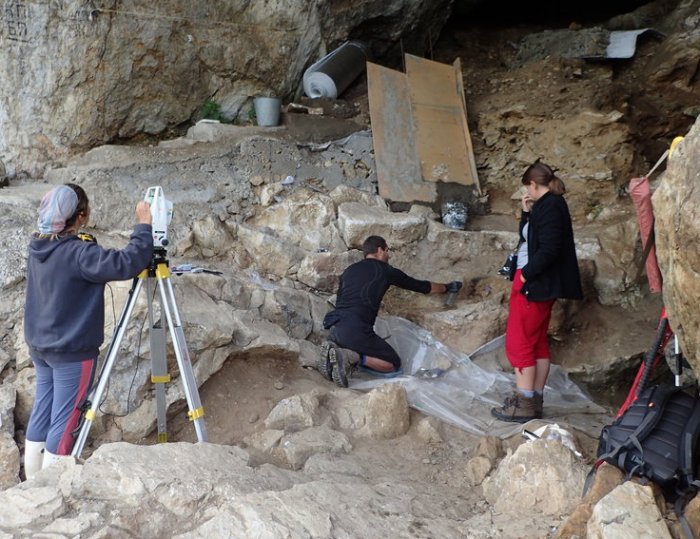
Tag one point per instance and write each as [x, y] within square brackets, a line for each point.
[64, 314]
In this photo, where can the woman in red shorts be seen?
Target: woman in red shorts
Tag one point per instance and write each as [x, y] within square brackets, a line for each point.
[547, 270]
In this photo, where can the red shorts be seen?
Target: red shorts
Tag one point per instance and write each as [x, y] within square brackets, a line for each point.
[526, 329]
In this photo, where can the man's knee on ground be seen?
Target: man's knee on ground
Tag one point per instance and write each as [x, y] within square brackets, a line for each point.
[381, 365]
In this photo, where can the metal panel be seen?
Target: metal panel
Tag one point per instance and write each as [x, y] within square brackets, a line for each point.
[442, 141]
[398, 167]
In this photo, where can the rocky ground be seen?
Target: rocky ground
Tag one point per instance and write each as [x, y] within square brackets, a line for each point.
[600, 343]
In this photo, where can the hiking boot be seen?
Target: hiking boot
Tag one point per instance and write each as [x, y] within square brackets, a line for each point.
[516, 409]
[323, 364]
[539, 404]
[351, 357]
[338, 365]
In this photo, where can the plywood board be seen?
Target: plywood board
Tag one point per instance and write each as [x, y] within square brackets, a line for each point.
[393, 133]
[442, 140]
[457, 65]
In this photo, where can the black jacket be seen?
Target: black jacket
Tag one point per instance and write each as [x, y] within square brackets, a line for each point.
[362, 287]
[552, 269]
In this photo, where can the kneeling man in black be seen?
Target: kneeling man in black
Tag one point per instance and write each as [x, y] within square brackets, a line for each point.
[362, 287]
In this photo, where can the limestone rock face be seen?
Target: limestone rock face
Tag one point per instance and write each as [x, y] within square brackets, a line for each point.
[591, 133]
[91, 74]
[676, 204]
[306, 219]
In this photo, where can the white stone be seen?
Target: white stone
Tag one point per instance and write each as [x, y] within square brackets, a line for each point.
[541, 476]
[264, 441]
[299, 446]
[9, 456]
[628, 512]
[294, 413]
[357, 221]
[387, 414]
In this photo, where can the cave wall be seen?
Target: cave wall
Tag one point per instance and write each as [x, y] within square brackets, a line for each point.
[76, 75]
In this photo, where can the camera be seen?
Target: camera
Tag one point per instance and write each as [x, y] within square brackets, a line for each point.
[509, 266]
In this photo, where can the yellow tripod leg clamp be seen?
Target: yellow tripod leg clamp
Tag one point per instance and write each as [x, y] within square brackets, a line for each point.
[196, 413]
[162, 271]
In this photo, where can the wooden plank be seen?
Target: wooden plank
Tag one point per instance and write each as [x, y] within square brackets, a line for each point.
[438, 113]
[465, 123]
[398, 168]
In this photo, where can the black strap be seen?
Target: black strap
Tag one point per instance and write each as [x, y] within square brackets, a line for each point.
[651, 240]
[692, 485]
[652, 355]
[678, 508]
[690, 435]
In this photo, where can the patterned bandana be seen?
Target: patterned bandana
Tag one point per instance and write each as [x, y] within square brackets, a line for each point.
[57, 206]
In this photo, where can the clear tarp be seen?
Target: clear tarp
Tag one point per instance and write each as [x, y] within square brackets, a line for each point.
[461, 389]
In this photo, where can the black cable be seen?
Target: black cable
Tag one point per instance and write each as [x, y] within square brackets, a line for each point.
[136, 371]
[138, 357]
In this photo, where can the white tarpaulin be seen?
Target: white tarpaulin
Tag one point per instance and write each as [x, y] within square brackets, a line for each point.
[461, 389]
[623, 43]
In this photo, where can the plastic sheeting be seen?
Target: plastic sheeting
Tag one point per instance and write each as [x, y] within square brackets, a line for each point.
[623, 43]
[332, 74]
[467, 387]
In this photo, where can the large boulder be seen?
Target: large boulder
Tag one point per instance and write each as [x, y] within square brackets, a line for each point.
[677, 225]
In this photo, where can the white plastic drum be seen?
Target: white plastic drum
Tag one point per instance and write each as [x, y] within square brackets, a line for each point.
[332, 74]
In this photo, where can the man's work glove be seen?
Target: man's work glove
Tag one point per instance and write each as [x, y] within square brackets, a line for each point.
[451, 289]
[453, 286]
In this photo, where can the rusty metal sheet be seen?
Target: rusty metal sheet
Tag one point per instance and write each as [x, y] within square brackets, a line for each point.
[442, 140]
[398, 167]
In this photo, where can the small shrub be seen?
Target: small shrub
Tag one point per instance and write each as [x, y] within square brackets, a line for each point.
[211, 111]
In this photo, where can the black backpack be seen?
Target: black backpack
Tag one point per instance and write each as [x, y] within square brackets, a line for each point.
[657, 438]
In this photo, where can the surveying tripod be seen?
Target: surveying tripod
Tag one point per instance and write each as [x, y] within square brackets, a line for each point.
[158, 271]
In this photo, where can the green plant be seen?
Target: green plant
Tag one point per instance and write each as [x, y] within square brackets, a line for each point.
[211, 110]
[594, 210]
